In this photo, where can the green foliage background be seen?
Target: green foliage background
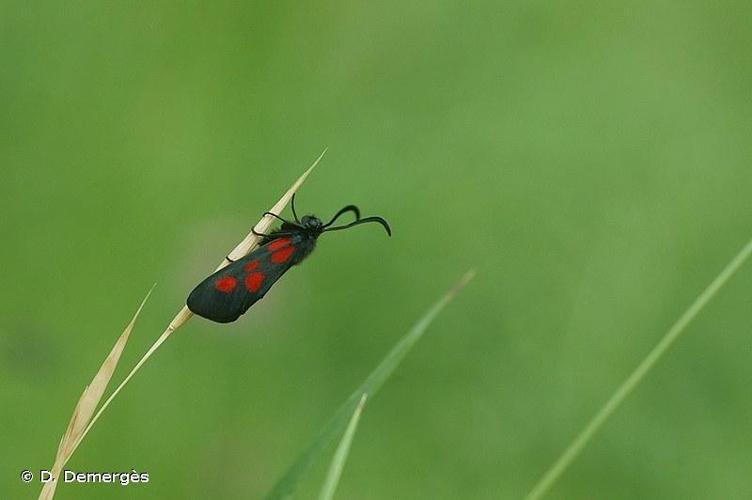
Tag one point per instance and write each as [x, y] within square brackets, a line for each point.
[590, 159]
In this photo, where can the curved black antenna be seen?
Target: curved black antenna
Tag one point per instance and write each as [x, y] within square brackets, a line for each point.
[363, 221]
[348, 208]
[292, 204]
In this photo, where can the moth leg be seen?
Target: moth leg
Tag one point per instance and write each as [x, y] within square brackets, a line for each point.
[283, 220]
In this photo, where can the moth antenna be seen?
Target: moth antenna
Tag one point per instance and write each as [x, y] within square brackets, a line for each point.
[365, 220]
[344, 210]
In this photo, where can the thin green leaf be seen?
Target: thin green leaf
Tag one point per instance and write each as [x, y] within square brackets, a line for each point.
[617, 398]
[285, 487]
[340, 456]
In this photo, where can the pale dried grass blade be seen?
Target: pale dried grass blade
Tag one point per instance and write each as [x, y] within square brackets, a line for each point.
[87, 403]
[242, 249]
[251, 240]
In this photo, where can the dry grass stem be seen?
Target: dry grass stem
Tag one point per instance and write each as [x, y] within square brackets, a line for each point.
[87, 403]
[76, 430]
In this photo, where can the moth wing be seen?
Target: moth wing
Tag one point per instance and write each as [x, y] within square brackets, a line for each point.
[228, 293]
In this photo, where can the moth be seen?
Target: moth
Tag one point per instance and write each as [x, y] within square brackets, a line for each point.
[228, 293]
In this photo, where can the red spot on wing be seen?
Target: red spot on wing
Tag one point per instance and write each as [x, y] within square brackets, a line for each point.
[251, 265]
[278, 243]
[226, 284]
[281, 256]
[253, 281]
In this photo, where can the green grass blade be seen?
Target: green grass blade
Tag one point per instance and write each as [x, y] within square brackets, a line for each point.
[285, 487]
[582, 439]
[340, 456]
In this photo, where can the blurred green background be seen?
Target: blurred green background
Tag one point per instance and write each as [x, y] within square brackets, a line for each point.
[590, 159]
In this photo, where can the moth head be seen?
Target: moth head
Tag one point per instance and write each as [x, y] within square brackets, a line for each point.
[312, 223]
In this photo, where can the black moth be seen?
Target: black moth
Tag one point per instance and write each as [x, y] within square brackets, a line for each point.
[228, 293]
